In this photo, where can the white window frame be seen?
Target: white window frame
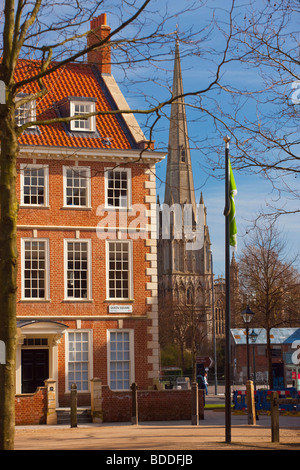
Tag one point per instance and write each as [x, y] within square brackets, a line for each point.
[88, 186]
[129, 188]
[29, 110]
[89, 269]
[131, 357]
[130, 270]
[32, 166]
[47, 270]
[89, 361]
[89, 124]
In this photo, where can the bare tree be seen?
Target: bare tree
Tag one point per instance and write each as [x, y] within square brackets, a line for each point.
[269, 283]
[260, 108]
[182, 322]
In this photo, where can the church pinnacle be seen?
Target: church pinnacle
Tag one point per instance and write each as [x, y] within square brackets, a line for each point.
[184, 267]
[179, 178]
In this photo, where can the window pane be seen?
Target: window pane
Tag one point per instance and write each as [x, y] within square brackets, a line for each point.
[35, 270]
[33, 186]
[77, 182]
[116, 196]
[78, 362]
[77, 270]
[119, 361]
[118, 270]
[81, 123]
[26, 113]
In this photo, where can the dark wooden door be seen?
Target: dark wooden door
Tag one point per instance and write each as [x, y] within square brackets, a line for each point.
[35, 369]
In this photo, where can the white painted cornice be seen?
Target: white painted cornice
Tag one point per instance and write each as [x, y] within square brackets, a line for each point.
[90, 154]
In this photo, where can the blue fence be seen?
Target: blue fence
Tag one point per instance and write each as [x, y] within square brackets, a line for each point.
[263, 399]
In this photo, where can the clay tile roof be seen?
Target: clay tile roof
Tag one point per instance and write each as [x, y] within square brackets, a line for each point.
[73, 80]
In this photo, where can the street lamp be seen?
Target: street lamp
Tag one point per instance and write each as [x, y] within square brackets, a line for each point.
[247, 315]
[253, 337]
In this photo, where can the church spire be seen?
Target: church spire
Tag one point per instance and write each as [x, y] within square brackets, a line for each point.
[179, 178]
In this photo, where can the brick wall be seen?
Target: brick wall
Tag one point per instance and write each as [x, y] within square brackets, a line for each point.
[153, 405]
[31, 408]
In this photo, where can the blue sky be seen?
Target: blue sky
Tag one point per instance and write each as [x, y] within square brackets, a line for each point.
[254, 191]
[253, 194]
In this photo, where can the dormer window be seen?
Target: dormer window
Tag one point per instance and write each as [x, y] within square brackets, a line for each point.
[26, 112]
[81, 108]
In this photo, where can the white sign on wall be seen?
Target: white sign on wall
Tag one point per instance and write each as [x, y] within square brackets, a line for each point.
[120, 309]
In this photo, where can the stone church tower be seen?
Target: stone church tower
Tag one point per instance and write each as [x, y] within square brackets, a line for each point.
[184, 274]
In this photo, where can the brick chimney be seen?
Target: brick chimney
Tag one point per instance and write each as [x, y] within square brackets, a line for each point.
[99, 56]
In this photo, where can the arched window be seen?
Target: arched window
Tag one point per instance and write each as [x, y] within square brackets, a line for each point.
[189, 296]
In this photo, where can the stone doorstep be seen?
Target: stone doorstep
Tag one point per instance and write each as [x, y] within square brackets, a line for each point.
[64, 415]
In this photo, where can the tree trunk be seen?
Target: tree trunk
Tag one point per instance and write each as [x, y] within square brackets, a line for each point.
[182, 356]
[8, 278]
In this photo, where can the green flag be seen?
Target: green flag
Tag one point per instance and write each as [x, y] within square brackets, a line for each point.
[232, 222]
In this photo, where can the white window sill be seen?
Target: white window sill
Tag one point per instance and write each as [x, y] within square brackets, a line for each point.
[34, 206]
[78, 208]
[122, 209]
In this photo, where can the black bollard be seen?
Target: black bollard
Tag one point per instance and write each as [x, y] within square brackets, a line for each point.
[195, 404]
[73, 406]
[134, 410]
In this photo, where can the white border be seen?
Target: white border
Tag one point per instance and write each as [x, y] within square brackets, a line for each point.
[23, 166]
[129, 189]
[90, 360]
[88, 187]
[89, 276]
[130, 277]
[91, 119]
[31, 112]
[131, 355]
[47, 269]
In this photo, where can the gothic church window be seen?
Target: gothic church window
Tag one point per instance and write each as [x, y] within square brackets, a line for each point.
[189, 296]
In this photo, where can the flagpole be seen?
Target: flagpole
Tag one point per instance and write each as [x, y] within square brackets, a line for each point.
[227, 311]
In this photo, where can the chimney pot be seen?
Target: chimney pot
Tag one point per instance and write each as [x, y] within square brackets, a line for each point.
[99, 56]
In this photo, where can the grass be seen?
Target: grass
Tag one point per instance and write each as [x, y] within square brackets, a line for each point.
[211, 406]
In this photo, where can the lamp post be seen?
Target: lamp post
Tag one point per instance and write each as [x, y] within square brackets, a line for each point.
[214, 321]
[247, 315]
[253, 337]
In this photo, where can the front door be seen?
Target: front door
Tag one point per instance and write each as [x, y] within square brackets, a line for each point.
[35, 369]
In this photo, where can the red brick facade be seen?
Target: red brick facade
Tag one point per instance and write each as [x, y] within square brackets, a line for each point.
[73, 339]
[59, 219]
[68, 312]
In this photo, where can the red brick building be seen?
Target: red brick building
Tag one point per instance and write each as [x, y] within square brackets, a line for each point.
[87, 297]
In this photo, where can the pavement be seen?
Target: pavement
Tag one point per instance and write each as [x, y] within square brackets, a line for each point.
[179, 436]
